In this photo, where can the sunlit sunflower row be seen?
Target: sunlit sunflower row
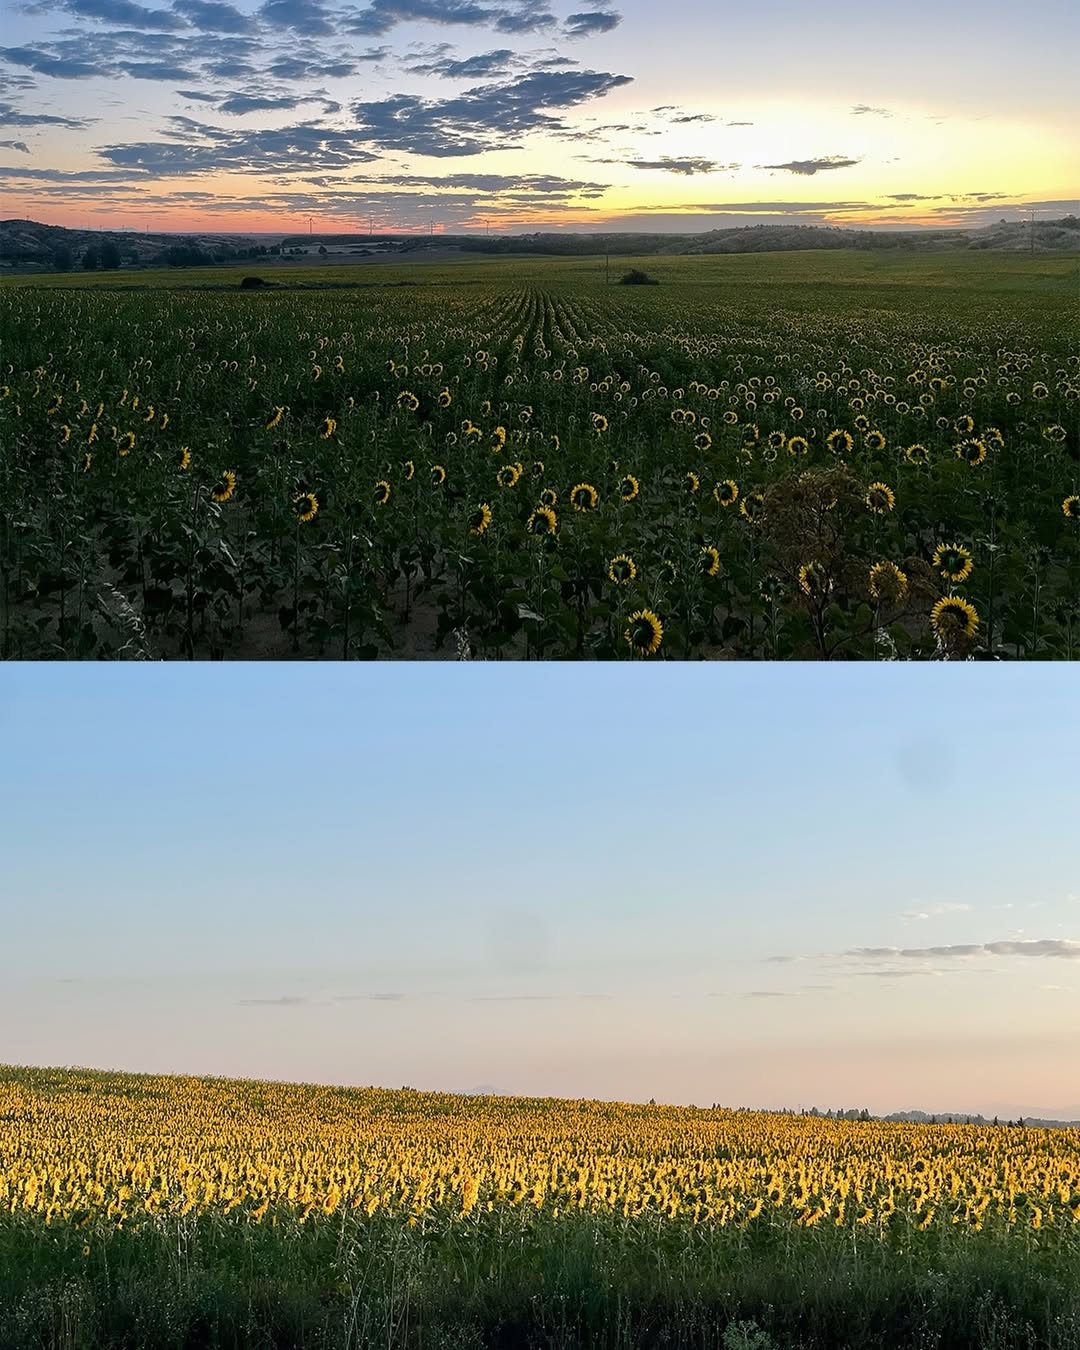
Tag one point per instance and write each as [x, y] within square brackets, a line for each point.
[96, 1152]
[517, 472]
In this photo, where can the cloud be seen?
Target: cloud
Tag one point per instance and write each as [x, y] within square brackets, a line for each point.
[41, 63]
[199, 148]
[9, 117]
[808, 167]
[766, 993]
[197, 96]
[370, 998]
[125, 12]
[247, 103]
[589, 22]
[1060, 948]
[472, 67]
[864, 110]
[383, 15]
[486, 117]
[491, 183]
[935, 911]
[284, 1001]
[155, 70]
[301, 16]
[686, 167]
[214, 16]
[21, 146]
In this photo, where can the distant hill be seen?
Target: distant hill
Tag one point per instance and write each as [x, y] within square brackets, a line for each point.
[29, 245]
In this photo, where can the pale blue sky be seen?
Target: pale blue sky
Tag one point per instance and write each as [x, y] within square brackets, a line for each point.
[564, 880]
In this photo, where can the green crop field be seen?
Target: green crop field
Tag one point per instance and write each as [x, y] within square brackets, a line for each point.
[816, 455]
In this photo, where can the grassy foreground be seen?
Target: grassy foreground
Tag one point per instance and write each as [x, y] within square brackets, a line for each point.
[164, 1212]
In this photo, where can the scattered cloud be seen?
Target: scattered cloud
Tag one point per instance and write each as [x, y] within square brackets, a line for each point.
[808, 167]
[934, 911]
[1043, 947]
[672, 164]
[589, 22]
[10, 117]
[766, 993]
[21, 146]
[864, 110]
[125, 12]
[284, 1001]
[199, 148]
[214, 16]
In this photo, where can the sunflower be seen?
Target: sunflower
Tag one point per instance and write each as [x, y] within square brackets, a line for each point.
[274, 419]
[183, 458]
[731, 417]
[445, 398]
[327, 428]
[508, 475]
[380, 493]
[629, 488]
[953, 561]
[438, 475]
[798, 445]
[750, 434]
[964, 424]
[1071, 508]
[622, 569]
[599, 422]
[727, 492]
[954, 618]
[305, 506]
[542, 521]
[668, 571]
[87, 460]
[645, 632]
[776, 440]
[887, 583]
[409, 470]
[702, 441]
[224, 488]
[752, 506]
[839, 442]
[126, 443]
[814, 580]
[584, 497]
[65, 434]
[916, 454]
[874, 440]
[1054, 432]
[862, 422]
[710, 561]
[536, 468]
[480, 519]
[973, 452]
[408, 400]
[549, 497]
[880, 498]
[693, 482]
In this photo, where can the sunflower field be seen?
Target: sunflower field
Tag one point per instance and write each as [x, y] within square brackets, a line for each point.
[164, 1211]
[542, 467]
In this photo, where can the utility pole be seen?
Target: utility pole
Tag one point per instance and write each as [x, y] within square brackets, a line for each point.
[1031, 229]
[607, 268]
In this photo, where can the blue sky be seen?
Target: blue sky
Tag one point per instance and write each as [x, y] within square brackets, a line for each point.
[256, 114]
[757, 885]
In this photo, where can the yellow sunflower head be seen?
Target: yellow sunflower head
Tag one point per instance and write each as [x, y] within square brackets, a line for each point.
[629, 488]
[645, 632]
[438, 475]
[224, 488]
[839, 442]
[709, 561]
[183, 458]
[381, 492]
[542, 521]
[880, 498]
[887, 583]
[305, 507]
[693, 482]
[549, 497]
[622, 569]
[726, 492]
[954, 562]
[480, 519]
[916, 454]
[954, 619]
[1071, 508]
[584, 497]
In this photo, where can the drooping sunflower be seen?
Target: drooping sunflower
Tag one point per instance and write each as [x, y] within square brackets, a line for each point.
[702, 441]
[964, 424]
[916, 454]
[542, 521]
[445, 398]
[508, 475]
[380, 493]
[880, 498]
[693, 482]
[645, 632]
[438, 475]
[814, 580]
[777, 440]
[972, 452]
[953, 618]
[224, 488]
[629, 488]
[549, 497]
[126, 443]
[408, 470]
[183, 458]
[798, 445]
[327, 428]
[887, 583]
[667, 571]
[839, 442]
[862, 422]
[726, 492]
[954, 562]
[1055, 432]
[305, 507]
[408, 401]
[274, 419]
[536, 468]
[874, 440]
[752, 506]
[710, 561]
[480, 519]
[750, 434]
[1071, 508]
[622, 569]
[584, 497]
[87, 460]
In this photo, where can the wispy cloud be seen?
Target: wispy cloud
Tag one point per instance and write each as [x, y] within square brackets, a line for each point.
[808, 167]
[1041, 947]
[283, 1001]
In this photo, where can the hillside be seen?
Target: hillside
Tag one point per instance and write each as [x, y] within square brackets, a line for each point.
[27, 245]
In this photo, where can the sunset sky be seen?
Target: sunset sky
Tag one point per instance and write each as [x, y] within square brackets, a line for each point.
[531, 114]
[795, 886]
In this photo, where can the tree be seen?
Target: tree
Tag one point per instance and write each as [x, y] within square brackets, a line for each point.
[63, 259]
[91, 259]
[110, 255]
[322, 250]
